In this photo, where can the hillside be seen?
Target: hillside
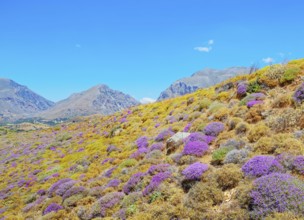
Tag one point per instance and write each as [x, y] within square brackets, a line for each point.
[17, 101]
[201, 79]
[99, 99]
[231, 151]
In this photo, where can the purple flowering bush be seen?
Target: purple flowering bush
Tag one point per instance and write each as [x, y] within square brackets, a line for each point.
[74, 191]
[157, 146]
[163, 135]
[54, 207]
[261, 165]
[298, 96]
[109, 172]
[112, 148]
[214, 129]
[286, 160]
[298, 164]
[141, 152]
[133, 182]
[242, 89]
[106, 202]
[195, 148]
[113, 183]
[199, 136]
[64, 187]
[252, 97]
[41, 192]
[277, 192]
[142, 142]
[158, 168]
[156, 181]
[195, 171]
[187, 127]
[253, 103]
[57, 185]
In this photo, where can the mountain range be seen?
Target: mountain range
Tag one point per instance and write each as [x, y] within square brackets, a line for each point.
[18, 102]
[99, 99]
[201, 79]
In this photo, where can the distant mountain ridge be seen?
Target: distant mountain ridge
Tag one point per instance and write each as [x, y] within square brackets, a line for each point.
[17, 101]
[99, 99]
[201, 79]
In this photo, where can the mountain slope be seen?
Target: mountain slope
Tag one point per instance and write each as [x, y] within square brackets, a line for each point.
[18, 101]
[223, 152]
[201, 79]
[99, 99]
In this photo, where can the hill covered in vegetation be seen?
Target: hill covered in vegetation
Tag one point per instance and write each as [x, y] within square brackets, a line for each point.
[231, 151]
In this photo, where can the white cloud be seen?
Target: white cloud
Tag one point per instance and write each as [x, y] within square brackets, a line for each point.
[210, 42]
[206, 48]
[281, 54]
[146, 100]
[77, 45]
[268, 60]
[203, 49]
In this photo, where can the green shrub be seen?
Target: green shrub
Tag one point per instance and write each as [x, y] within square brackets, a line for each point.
[128, 163]
[290, 75]
[215, 106]
[205, 103]
[155, 196]
[254, 87]
[64, 137]
[219, 155]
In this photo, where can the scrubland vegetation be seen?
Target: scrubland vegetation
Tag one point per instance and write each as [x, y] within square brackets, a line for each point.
[240, 156]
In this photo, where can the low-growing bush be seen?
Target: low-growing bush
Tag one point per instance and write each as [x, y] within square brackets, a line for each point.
[265, 145]
[203, 197]
[289, 75]
[298, 164]
[215, 106]
[214, 129]
[298, 96]
[277, 193]
[100, 207]
[258, 131]
[52, 208]
[199, 136]
[204, 103]
[242, 128]
[163, 135]
[272, 76]
[133, 183]
[195, 171]
[254, 87]
[156, 180]
[228, 176]
[261, 165]
[236, 156]
[219, 155]
[242, 89]
[233, 123]
[195, 148]
[282, 101]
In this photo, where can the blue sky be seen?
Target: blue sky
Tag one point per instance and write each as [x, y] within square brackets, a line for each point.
[57, 47]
